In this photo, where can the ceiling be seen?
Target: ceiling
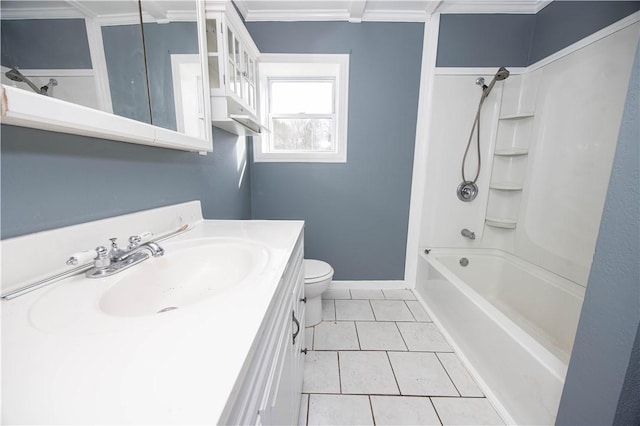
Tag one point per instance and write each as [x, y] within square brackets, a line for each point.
[376, 10]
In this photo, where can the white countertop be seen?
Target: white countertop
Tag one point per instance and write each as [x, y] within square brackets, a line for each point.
[179, 367]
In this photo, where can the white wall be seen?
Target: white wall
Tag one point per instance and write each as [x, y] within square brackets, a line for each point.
[577, 99]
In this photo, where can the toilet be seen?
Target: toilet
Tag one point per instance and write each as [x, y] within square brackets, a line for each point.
[317, 277]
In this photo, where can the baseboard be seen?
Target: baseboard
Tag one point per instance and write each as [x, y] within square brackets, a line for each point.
[370, 285]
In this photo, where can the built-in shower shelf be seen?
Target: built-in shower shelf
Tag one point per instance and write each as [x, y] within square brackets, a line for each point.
[517, 116]
[498, 222]
[511, 152]
[506, 186]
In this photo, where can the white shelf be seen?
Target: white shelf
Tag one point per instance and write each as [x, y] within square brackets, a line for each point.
[501, 222]
[511, 152]
[517, 116]
[26, 109]
[506, 186]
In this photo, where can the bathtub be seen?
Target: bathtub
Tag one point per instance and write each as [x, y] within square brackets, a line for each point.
[511, 322]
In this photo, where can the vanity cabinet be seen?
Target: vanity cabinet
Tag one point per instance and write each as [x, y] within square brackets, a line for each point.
[270, 391]
[232, 67]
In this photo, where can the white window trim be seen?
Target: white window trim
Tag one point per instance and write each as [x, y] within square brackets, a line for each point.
[307, 66]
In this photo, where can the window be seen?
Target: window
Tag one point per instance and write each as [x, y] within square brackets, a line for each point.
[304, 103]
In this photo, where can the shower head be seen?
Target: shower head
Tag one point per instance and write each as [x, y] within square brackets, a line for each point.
[502, 74]
[14, 75]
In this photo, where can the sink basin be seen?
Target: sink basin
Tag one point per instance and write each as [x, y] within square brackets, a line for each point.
[188, 273]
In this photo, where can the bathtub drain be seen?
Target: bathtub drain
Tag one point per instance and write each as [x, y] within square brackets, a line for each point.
[167, 309]
[464, 261]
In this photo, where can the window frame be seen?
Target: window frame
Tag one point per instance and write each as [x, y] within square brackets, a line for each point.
[310, 67]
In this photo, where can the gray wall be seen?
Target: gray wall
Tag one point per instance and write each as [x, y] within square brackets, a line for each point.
[45, 44]
[481, 40]
[611, 311]
[356, 213]
[49, 180]
[484, 40]
[628, 411]
[564, 22]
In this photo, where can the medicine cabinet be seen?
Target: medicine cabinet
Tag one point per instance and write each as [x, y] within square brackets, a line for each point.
[122, 70]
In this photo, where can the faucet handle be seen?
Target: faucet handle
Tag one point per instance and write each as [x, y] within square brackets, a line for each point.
[134, 240]
[81, 257]
[102, 259]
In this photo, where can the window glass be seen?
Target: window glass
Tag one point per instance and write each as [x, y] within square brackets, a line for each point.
[303, 134]
[301, 97]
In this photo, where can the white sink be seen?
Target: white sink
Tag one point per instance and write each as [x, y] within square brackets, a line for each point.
[189, 272]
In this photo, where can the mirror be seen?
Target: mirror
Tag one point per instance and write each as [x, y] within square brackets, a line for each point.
[93, 53]
[175, 72]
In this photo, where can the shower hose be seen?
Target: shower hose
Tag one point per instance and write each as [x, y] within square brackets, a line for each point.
[476, 123]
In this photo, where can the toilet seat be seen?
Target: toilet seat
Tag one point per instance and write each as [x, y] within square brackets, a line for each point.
[316, 271]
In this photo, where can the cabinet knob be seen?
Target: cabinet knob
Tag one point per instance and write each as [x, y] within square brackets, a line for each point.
[304, 351]
[303, 300]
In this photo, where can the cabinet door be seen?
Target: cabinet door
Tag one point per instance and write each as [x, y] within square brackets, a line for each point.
[231, 82]
[214, 52]
[251, 82]
[297, 362]
[277, 409]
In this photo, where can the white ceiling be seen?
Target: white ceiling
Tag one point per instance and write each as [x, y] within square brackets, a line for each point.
[376, 10]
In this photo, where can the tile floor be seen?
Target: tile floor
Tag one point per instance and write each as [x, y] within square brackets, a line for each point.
[376, 358]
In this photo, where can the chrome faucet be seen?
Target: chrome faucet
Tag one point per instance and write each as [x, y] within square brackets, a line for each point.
[468, 234]
[111, 262]
[116, 254]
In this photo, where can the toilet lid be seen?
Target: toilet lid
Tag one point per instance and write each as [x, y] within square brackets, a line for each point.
[316, 270]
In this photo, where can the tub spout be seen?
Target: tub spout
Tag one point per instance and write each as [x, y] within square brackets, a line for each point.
[468, 234]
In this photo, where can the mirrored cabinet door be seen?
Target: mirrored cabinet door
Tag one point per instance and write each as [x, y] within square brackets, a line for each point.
[107, 55]
[174, 66]
[89, 53]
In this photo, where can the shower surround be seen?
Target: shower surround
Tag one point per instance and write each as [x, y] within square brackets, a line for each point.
[548, 137]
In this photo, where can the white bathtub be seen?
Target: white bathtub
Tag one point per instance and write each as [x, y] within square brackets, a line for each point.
[512, 322]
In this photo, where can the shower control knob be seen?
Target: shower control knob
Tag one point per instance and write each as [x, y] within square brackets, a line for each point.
[467, 191]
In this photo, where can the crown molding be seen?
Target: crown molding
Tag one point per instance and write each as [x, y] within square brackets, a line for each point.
[493, 6]
[41, 13]
[298, 15]
[357, 10]
[395, 16]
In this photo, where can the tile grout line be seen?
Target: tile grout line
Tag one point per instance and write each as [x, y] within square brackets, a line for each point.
[448, 375]
[435, 410]
[402, 337]
[410, 311]
[357, 335]
[306, 420]
[375, 319]
[339, 374]
[394, 373]
[373, 416]
[409, 395]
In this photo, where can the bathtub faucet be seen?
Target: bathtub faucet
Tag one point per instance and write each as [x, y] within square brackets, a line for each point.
[468, 234]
